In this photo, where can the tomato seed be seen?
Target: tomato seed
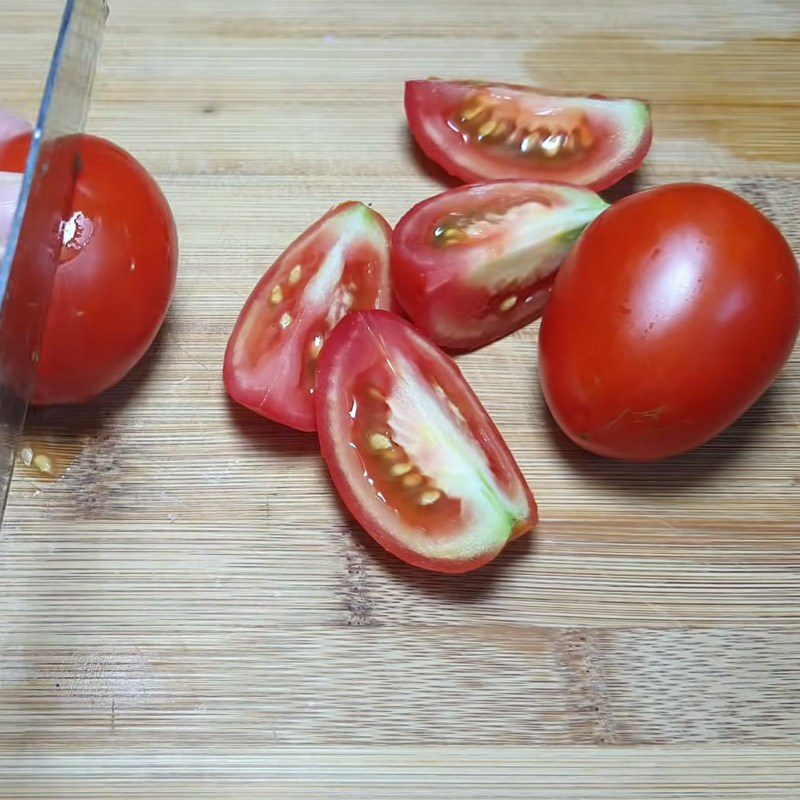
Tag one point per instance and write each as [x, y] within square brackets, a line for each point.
[486, 129]
[43, 463]
[315, 346]
[376, 394]
[295, 274]
[530, 141]
[472, 111]
[429, 497]
[377, 441]
[26, 456]
[412, 480]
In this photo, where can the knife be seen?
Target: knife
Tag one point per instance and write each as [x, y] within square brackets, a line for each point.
[34, 242]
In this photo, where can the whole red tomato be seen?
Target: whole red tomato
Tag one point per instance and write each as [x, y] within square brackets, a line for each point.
[674, 312]
[115, 279]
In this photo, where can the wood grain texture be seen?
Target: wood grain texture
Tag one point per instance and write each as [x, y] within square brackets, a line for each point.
[188, 612]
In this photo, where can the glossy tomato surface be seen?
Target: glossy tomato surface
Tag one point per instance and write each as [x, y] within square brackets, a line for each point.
[672, 315]
[475, 263]
[340, 263]
[485, 131]
[411, 450]
[116, 274]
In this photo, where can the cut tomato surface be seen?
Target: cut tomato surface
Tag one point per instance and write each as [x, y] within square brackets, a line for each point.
[483, 131]
[10, 184]
[474, 264]
[340, 263]
[412, 451]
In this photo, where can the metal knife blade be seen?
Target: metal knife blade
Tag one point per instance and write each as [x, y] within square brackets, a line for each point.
[34, 242]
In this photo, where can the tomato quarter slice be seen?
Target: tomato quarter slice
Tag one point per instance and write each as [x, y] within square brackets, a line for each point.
[474, 264]
[412, 451]
[340, 263]
[482, 131]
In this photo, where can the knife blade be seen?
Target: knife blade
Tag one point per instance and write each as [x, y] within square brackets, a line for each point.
[35, 239]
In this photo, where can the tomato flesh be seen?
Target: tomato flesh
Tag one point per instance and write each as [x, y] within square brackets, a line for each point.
[340, 263]
[483, 132]
[116, 274]
[10, 184]
[672, 315]
[11, 126]
[411, 450]
[474, 264]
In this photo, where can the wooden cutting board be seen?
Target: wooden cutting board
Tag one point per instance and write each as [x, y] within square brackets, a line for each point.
[187, 612]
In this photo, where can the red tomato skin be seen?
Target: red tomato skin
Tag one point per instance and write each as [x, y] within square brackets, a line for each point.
[672, 315]
[110, 299]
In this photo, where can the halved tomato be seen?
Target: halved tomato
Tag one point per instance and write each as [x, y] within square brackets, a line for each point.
[474, 264]
[483, 131]
[340, 263]
[412, 451]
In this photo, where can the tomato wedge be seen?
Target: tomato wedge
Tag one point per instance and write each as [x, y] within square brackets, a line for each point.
[412, 451]
[484, 131]
[474, 264]
[340, 263]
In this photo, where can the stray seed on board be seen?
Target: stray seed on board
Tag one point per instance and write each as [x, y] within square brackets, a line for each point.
[43, 464]
[26, 456]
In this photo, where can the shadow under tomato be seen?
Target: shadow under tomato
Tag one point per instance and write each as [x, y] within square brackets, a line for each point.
[64, 435]
[264, 434]
[679, 472]
[428, 166]
[630, 184]
[90, 417]
[465, 587]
